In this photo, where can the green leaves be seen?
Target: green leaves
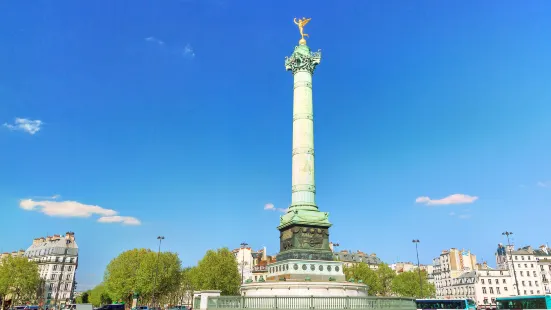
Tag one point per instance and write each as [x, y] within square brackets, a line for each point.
[407, 284]
[384, 282]
[99, 296]
[143, 271]
[217, 271]
[20, 279]
[148, 273]
[363, 272]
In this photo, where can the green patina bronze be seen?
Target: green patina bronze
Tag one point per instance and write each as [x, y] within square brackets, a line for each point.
[304, 229]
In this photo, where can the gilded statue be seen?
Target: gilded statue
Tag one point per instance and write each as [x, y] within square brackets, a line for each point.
[301, 23]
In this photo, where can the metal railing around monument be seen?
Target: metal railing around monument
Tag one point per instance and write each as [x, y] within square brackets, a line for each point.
[303, 303]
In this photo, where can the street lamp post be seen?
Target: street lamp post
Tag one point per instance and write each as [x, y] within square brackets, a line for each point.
[416, 241]
[508, 233]
[243, 246]
[160, 238]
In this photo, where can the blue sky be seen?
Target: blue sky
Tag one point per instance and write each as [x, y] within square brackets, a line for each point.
[177, 115]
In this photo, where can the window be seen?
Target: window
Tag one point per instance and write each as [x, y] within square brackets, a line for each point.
[482, 281]
[535, 275]
[532, 265]
[52, 277]
[525, 265]
[505, 289]
[522, 257]
[541, 267]
[518, 265]
[504, 281]
[55, 267]
[523, 284]
[529, 283]
[525, 292]
[532, 292]
[528, 257]
[490, 282]
[483, 290]
[521, 273]
[70, 268]
[536, 283]
[51, 286]
[538, 291]
[66, 286]
[497, 290]
[516, 257]
[68, 277]
[491, 290]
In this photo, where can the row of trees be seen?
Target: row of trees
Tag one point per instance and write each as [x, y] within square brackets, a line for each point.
[384, 282]
[159, 278]
[19, 281]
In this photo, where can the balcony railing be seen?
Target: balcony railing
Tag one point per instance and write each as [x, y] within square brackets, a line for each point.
[304, 302]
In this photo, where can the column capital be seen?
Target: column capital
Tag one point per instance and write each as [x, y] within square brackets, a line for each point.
[303, 59]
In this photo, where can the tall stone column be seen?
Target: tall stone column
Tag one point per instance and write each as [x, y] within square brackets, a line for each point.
[304, 230]
[302, 63]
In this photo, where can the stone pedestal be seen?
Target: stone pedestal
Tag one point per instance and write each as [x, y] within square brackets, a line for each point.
[306, 270]
[309, 289]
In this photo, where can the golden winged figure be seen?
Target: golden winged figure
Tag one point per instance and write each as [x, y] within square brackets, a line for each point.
[301, 23]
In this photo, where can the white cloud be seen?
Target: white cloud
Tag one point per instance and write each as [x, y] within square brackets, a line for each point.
[75, 209]
[464, 216]
[452, 213]
[271, 207]
[126, 220]
[450, 200]
[188, 51]
[546, 184]
[155, 40]
[26, 125]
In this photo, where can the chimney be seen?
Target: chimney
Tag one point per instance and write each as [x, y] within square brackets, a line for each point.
[70, 236]
[264, 255]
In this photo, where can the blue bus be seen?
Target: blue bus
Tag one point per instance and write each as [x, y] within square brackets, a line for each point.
[466, 304]
[524, 302]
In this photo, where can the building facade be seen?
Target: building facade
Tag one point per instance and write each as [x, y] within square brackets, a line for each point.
[57, 259]
[450, 265]
[483, 286]
[525, 267]
[543, 257]
[349, 258]
[252, 264]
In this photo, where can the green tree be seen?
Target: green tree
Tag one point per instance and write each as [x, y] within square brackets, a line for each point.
[385, 275]
[406, 284]
[187, 286]
[143, 271]
[368, 276]
[19, 278]
[217, 270]
[83, 298]
[99, 296]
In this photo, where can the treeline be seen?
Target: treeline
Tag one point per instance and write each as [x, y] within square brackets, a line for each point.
[20, 281]
[385, 282]
[160, 277]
